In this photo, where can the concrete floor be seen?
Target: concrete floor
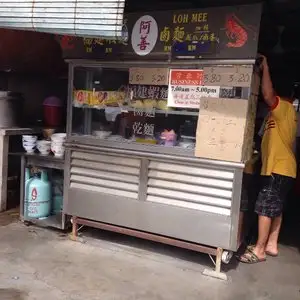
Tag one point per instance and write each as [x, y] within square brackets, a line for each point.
[40, 264]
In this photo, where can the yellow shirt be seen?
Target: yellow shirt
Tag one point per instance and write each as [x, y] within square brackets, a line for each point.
[278, 139]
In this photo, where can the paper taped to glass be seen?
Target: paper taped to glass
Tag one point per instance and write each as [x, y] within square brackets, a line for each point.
[228, 76]
[221, 129]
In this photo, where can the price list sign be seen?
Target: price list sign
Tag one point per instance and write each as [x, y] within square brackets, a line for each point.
[229, 76]
[148, 76]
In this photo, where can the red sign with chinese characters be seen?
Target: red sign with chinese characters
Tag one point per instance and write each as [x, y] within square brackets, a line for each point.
[186, 77]
[186, 89]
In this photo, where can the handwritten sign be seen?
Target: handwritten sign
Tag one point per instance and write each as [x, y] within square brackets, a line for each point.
[239, 76]
[185, 89]
[218, 119]
[149, 76]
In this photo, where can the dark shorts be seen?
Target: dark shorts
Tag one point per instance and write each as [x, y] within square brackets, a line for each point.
[246, 185]
[272, 196]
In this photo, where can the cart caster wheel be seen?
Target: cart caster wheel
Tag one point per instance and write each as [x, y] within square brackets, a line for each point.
[226, 257]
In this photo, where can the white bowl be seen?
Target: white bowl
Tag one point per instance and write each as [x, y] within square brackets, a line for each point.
[102, 134]
[29, 138]
[44, 151]
[59, 137]
[29, 148]
[28, 144]
[44, 147]
[57, 142]
[58, 150]
[44, 143]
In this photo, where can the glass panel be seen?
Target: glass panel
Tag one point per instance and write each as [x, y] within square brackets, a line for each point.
[106, 106]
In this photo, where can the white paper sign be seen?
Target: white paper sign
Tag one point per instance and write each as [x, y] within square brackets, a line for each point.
[239, 76]
[221, 129]
[149, 76]
[186, 90]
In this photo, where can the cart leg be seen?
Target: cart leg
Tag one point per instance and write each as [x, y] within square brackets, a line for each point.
[217, 272]
[74, 234]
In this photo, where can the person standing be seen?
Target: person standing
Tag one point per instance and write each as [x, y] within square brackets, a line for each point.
[278, 167]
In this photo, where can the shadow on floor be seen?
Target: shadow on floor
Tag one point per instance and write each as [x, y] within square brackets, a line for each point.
[12, 294]
[9, 217]
[167, 250]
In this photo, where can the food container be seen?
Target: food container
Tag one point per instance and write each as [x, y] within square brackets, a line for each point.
[102, 134]
[29, 143]
[58, 144]
[29, 138]
[58, 149]
[48, 132]
[29, 147]
[168, 138]
[44, 147]
[53, 111]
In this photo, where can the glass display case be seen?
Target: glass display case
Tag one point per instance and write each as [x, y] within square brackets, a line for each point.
[106, 107]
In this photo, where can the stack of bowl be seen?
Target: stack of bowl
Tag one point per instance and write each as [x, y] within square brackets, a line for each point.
[29, 143]
[58, 144]
[44, 147]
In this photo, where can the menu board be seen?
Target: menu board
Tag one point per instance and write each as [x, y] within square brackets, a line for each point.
[218, 119]
[229, 32]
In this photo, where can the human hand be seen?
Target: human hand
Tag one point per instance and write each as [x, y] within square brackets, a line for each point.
[263, 61]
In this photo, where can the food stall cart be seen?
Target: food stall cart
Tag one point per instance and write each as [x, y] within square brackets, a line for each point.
[135, 163]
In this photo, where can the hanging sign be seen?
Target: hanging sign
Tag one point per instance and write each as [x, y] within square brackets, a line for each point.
[186, 88]
[149, 76]
[238, 76]
[229, 32]
[144, 35]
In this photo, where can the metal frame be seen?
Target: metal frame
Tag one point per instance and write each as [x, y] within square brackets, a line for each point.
[92, 145]
[217, 252]
[178, 63]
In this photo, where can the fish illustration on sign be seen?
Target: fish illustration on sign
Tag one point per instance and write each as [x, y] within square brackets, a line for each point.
[237, 32]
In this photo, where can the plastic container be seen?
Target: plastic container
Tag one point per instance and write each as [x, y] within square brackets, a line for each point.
[37, 196]
[53, 112]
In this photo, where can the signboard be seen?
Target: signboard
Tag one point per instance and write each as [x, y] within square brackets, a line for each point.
[218, 119]
[149, 92]
[143, 125]
[185, 88]
[149, 76]
[239, 76]
[144, 35]
[213, 33]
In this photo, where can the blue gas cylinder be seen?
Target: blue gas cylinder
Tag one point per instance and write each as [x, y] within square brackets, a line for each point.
[37, 195]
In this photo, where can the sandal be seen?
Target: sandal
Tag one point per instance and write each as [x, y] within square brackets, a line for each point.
[251, 247]
[250, 258]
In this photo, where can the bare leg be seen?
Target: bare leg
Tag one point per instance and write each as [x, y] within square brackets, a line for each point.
[264, 225]
[272, 245]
